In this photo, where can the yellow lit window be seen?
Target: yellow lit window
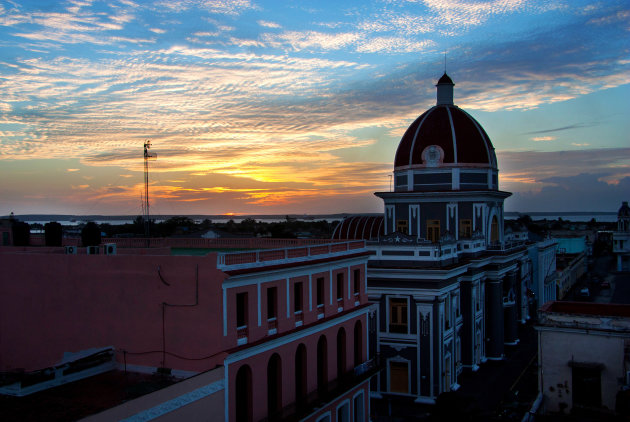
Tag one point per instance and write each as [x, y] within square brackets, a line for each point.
[433, 230]
[465, 229]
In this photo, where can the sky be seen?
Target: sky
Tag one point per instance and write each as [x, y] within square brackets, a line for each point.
[278, 107]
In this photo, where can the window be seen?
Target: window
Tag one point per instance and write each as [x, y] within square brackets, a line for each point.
[272, 302]
[398, 315]
[320, 292]
[398, 377]
[297, 297]
[357, 282]
[402, 226]
[339, 286]
[433, 230]
[465, 229]
[343, 413]
[358, 407]
[241, 309]
[494, 230]
[587, 385]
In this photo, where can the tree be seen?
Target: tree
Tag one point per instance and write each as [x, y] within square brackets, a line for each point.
[91, 234]
[53, 233]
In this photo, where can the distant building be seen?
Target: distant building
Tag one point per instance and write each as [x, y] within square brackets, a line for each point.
[571, 263]
[266, 333]
[621, 238]
[584, 357]
[544, 275]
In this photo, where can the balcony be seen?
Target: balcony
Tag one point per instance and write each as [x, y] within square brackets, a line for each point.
[334, 389]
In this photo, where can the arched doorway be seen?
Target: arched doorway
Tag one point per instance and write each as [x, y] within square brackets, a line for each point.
[243, 394]
[494, 230]
[274, 385]
[300, 374]
[322, 364]
[358, 343]
[341, 352]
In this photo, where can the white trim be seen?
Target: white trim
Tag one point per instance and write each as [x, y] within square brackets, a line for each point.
[227, 391]
[177, 402]
[288, 338]
[224, 311]
[400, 359]
[323, 417]
[259, 307]
[310, 292]
[294, 272]
[288, 299]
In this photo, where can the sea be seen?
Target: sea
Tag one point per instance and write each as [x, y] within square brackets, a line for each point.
[67, 220]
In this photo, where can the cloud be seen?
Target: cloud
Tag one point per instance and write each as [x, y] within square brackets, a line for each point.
[543, 138]
[267, 24]
[559, 129]
[576, 193]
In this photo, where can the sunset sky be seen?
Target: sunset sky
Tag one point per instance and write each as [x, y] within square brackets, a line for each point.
[273, 107]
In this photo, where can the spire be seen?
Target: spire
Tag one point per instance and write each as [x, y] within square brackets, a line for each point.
[445, 90]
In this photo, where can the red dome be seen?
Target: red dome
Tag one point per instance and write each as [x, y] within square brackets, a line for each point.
[454, 136]
[462, 139]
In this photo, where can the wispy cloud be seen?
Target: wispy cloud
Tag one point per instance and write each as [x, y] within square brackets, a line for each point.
[543, 138]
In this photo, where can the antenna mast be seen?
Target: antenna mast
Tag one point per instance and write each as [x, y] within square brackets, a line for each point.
[145, 205]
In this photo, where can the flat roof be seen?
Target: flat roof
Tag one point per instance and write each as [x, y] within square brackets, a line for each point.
[79, 399]
[587, 308]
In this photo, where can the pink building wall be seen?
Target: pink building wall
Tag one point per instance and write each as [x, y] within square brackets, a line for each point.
[258, 364]
[51, 304]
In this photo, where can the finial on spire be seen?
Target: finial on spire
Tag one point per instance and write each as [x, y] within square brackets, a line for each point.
[445, 62]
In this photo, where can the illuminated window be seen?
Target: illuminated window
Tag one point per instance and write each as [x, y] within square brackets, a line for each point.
[433, 230]
[398, 377]
[398, 315]
[465, 229]
[494, 230]
[402, 226]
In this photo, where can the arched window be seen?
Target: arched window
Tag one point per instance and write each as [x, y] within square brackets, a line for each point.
[494, 230]
[243, 394]
[358, 343]
[300, 374]
[322, 364]
[341, 352]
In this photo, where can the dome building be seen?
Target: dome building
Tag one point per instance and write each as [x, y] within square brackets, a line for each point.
[450, 288]
[445, 177]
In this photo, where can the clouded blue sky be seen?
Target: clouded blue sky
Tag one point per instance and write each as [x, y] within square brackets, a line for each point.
[298, 107]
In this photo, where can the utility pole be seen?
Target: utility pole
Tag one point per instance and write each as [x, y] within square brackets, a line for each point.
[145, 204]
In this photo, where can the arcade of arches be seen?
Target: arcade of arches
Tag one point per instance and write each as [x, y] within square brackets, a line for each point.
[279, 371]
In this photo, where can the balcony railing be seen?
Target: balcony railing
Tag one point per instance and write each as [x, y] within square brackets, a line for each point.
[332, 391]
[239, 260]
